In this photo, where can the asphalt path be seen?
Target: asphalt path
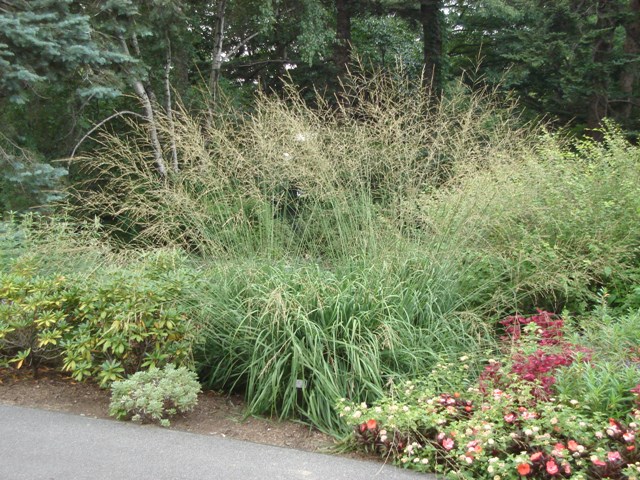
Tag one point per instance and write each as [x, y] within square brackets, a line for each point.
[44, 445]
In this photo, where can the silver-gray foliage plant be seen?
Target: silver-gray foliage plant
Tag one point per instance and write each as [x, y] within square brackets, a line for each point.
[154, 395]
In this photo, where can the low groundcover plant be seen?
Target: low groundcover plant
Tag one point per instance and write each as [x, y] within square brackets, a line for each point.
[155, 394]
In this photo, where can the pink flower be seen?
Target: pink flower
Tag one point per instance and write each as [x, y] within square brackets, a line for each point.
[447, 444]
[598, 463]
[552, 467]
[558, 450]
[572, 445]
[629, 436]
[613, 456]
[536, 456]
[510, 418]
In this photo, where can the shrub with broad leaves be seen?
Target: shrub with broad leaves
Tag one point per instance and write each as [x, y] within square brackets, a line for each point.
[95, 327]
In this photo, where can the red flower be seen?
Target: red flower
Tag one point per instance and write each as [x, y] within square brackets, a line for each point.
[524, 469]
[572, 445]
[598, 463]
[362, 427]
[552, 467]
[371, 424]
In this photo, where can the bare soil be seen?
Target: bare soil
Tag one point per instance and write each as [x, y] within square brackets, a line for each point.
[215, 414]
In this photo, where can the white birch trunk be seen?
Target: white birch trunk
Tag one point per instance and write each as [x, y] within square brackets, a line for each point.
[140, 91]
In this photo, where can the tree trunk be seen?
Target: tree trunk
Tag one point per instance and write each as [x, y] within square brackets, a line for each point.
[216, 54]
[167, 85]
[342, 47]
[138, 87]
[598, 107]
[629, 75]
[431, 19]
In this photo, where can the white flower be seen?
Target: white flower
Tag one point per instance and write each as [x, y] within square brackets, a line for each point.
[528, 432]
[464, 358]
[404, 459]
[490, 469]
[383, 438]
[286, 156]
[378, 410]
[363, 406]
[347, 409]
[573, 402]
[416, 460]
[405, 409]
[357, 414]
[300, 137]
[425, 461]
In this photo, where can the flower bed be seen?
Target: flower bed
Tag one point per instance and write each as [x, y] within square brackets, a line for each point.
[508, 424]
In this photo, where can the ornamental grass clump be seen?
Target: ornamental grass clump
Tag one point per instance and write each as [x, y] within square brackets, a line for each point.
[154, 395]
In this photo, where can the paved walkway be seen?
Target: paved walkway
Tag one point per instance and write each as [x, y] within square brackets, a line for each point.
[43, 445]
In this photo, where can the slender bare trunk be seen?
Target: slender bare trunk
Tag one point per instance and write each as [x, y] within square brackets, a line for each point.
[167, 85]
[216, 54]
[140, 91]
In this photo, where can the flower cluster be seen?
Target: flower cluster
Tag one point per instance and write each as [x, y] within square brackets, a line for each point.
[501, 439]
